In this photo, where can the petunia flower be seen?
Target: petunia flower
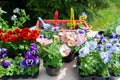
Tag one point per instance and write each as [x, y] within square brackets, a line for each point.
[71, 43]
[2, 11]
[28, 61]
[83, 51]
[13, 17]
[16, 10]
[44, 41]
[80, 39]
[5, 64]
[71, 35]
[64, 50]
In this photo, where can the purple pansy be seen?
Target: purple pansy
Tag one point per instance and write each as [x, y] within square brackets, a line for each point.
[33, 46]
[3, 52]
[114, 35]
[5, 64]
[80, 31]
[99, 47]
[28, 61]
[30, 52]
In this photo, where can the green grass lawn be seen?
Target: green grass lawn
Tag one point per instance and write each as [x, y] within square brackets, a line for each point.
[107, 16]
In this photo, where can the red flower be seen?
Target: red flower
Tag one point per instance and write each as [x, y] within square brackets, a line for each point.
[10, 32]
[14, 38]
[34, 34]
[16, 31]
[6, 37]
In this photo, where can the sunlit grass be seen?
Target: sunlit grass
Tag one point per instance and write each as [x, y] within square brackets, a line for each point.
[107, 16]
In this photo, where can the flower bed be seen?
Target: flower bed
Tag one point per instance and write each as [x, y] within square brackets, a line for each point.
[18, 51]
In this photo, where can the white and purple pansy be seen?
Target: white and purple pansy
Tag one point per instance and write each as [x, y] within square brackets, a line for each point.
[106, 57]
[108, 48]
[113, 35]
[83, 51]
[5, 64]
[3, 52]
[55, 29]
[91, 45]
[116, 47]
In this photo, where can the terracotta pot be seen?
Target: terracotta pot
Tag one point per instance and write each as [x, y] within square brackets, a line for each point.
[53, 71]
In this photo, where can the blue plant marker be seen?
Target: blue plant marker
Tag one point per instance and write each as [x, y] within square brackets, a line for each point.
[45, 25]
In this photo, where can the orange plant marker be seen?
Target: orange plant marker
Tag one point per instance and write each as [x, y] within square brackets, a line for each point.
[37, 25]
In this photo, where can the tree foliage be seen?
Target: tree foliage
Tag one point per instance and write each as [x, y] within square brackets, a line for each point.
[46, 8]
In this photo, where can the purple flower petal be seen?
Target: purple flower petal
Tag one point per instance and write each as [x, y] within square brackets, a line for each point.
[5, 64]
[28, 61]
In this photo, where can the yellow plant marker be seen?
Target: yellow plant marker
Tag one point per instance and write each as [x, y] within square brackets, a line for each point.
[72, 21]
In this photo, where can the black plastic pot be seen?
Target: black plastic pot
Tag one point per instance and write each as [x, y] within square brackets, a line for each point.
[53, 71]
[26, 76]
[69, 58]
[93, 77]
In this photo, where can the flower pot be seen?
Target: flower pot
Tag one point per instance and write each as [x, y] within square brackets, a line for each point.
[53, 71]
[69, 58]
[93, 77]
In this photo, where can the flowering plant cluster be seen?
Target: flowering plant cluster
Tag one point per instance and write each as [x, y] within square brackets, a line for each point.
[14, 37]
[73, 39]
[18, 34]
[49, 52]
[18, 53]
[100, 56]
[20, 65]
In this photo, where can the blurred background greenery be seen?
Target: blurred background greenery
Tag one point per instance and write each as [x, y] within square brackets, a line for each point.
[101, 14]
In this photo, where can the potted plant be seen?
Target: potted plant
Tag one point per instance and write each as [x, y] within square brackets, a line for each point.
[74, 40]
[51, 51]
[100, 59]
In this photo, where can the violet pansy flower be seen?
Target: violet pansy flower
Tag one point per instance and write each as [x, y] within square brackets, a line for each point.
[80, 31]
[28, 61]
[33, 46]
[5, 64]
